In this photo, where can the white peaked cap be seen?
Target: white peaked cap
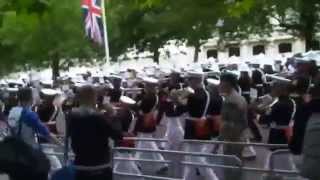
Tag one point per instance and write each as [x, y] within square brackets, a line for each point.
[47, 82]
[12, 89]
[278, 78]
[176, 70]
[190, 90]
[196, 74]
[3, 82]
[150, 80]
[50, 92]
[211, 59]
[213, 81]
[244, 68]
[127, 100]
[13, 81]
[214, 67]
[79, 85]
[115, 77]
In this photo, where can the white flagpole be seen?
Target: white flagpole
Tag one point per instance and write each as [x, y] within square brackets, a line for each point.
[106, 42]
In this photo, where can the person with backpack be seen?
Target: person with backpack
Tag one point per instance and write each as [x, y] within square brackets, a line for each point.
[26, 124]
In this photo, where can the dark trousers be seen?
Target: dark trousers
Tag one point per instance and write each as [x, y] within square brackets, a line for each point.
[253, 126]
[105, 174]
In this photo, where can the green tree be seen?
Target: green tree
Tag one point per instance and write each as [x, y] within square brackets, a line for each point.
[149, 24]
[297, 17]
[44, 36]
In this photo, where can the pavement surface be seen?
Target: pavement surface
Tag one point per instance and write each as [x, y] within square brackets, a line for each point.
[282, 163]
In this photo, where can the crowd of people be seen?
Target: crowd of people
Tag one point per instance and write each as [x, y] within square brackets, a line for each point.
[94, 114]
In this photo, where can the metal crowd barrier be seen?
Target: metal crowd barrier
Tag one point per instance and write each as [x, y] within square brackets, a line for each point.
[214, 142]
[177, 153]
[237, 143]
[270, 170]
[143, 176]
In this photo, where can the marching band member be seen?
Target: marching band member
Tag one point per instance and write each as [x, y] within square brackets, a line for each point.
[215, 107]
[258, 79]
[245, 85]
[147, 125]
[47, 111]
[197, 126]
[115, 93]
[125, 116]
[50, 113]
[173, 116]
[173, 112]
[280, 114]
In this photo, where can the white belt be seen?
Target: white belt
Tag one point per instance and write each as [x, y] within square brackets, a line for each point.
[275, 126]
[91, 168]
[259, 85]
[246, 92]
[194, 118]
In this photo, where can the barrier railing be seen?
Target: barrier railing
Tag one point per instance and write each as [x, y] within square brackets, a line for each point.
[273, 155]
[214, 155]
[214, 142]
[143, 176]
[271, 170]
[239, 163]
[237, 143]
[178, 153]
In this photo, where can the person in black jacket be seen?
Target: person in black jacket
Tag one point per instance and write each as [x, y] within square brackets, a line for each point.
[89, 131]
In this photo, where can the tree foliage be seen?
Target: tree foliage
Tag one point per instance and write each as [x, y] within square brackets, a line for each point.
[297, 17]
[40, 33]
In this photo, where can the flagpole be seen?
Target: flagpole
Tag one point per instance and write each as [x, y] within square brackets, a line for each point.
[106, 42]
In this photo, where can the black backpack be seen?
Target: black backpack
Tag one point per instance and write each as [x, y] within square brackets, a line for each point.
[20, 160]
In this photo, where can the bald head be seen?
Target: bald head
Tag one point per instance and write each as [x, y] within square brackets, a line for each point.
[87, 95]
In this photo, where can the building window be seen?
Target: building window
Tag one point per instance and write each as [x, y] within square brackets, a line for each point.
[234, 51]
[212, 53]
[258, 49]
[315, 45]
[285, 48]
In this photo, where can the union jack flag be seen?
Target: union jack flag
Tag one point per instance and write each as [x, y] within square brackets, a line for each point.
[93, 20]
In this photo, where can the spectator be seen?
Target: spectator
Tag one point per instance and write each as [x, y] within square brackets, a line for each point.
[234, 120]
[89, 131]
[26, 123]
[228, 86]
[311, 147]
[300, 87]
